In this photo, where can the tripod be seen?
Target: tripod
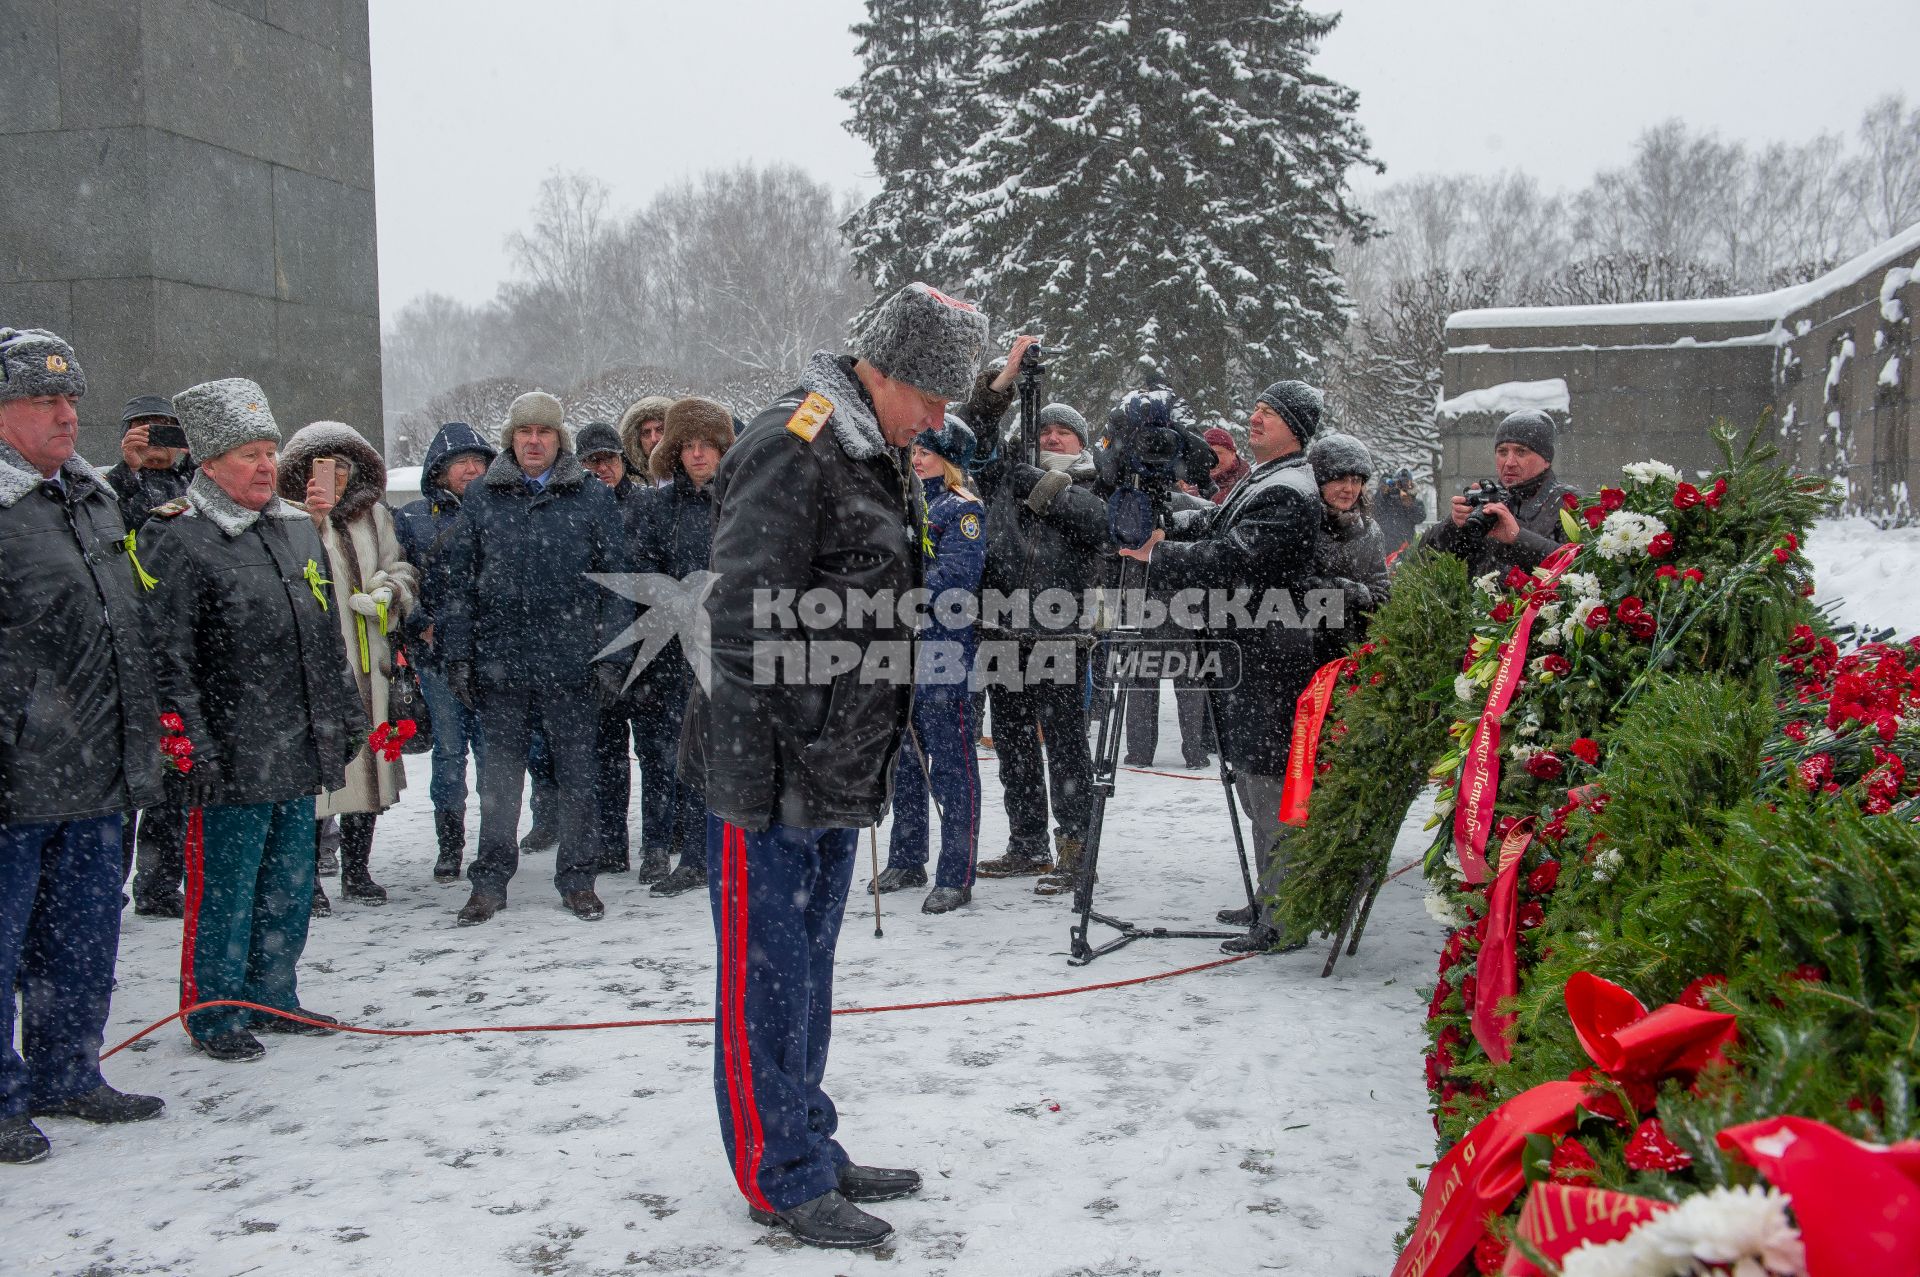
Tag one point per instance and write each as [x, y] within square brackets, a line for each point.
[1106, 767]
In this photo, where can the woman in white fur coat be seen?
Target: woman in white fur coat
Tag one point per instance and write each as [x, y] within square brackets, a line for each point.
[373, 588]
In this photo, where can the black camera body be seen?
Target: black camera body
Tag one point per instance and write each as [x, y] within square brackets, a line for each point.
[1479, 496]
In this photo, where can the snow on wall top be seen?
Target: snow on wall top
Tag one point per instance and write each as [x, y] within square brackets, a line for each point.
[1549, 395]
[1757, 308]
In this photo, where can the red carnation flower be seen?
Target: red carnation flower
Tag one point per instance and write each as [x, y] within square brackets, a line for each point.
[1545, 876]
[1570, 500]
[1685, 496]
[1712, 498]
[1572, 1164]
[1612, 499]
[1630, 607]
[1556, 664]
[1809, 973]
[1795, 731]
[1546, 766]
[1502, 611]
[1595, 515]
[1780, 554]
[1598, 617]
[1651, 1150]
[1490, 1254]
[1694, 576]
[1642, 627]
[1661, 546]
[1586, 749]
[172, 723]
[1816, 771]
[1518, 579]
[1441, 992]
[1468, 988]
[1666, 572]
[1531, 916]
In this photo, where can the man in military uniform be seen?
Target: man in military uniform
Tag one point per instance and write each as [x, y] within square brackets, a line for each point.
[817, 495]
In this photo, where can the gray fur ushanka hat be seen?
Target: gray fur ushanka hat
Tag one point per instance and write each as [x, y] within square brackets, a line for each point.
[36, 362]
[219, 416]
[927, 339]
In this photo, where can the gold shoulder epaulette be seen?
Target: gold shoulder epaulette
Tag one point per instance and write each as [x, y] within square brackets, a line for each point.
[810, 416]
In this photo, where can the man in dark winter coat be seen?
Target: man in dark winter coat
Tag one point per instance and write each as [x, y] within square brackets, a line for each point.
[1526, 529]
[79, 745]
[251, 660]
[1399, 511]
[154, 469]
[1046, 530]
[672, 526]
[599, 449]
[817, 496]
[458, 455]
[521, 628]
[1261, 539]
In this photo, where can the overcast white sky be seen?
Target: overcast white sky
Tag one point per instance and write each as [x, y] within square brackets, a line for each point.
[474, 101]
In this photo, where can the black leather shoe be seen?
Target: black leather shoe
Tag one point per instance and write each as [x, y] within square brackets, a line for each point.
[1241, 917]
[480, 906]
[104, 1104]
[237, 1047]
[945, 900]
[446, 868]
[654, 865]
[684, 878]
[829, 1221]
[1261, 939]
[540, 838]
[876, 1183]
[583, 905]
[275, 1024]
[21, 1141]
[167, 906]
[894, 878]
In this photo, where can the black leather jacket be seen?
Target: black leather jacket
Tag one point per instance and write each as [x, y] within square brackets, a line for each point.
[246, 652]
[1536, 509]
[805, 502]
[79, 729]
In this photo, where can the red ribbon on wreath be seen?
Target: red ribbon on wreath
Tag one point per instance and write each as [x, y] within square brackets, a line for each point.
[389, 739]
[1309, 715]
[1482, 1174]
[1858, 1205]
[1558, 1219]
[174, 745]
[1480, 774]
[1498, 974]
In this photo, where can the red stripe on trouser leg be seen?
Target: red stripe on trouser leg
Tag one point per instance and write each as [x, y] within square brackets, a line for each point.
[196, 857]
[756, 1135]
[730, 992]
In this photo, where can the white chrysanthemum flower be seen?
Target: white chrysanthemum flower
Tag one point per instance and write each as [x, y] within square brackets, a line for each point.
[1649, 471]
[1442, 909]
[1487, 583]
[1550, 614]
[1582, 585]
[1744, 1230]
[1464, 688]
[1520, 753]
[1606, 864]
[1627, 532]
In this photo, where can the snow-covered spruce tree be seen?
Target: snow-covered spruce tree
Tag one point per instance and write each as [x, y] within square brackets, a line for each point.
[918, 105]
[1162, 185]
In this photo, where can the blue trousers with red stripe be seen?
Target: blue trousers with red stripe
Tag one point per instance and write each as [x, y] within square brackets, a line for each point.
[778, 898]
[943, 729]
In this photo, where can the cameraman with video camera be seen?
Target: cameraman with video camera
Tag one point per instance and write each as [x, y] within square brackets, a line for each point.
[1515, 520]
[1261, 538]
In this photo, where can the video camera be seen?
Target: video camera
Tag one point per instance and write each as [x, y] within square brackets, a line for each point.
[1479, 496]
[1148, 454]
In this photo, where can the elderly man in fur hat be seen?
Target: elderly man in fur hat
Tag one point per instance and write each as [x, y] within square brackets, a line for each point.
[79, 745]
[249, 657]
[817, 495]
[520, 631]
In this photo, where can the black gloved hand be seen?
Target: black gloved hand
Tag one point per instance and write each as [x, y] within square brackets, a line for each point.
[1359, 597]
[609, 684]
[460, 683]
[1046, 489]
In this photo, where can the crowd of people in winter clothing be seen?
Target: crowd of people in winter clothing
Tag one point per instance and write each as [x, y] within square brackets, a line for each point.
[217, 652]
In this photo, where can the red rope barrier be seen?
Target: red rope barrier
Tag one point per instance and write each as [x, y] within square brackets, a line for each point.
[686, 1020]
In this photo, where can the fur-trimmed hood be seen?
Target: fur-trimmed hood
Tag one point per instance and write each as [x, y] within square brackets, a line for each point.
[365, 489]
[505, 472]
[690, 419]
[651, 408]
[855, 428]
[17, 478]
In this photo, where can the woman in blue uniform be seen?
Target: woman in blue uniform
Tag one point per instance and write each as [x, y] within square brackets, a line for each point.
[938, 752]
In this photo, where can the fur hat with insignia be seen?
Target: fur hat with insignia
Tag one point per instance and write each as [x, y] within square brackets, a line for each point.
[222, 415]
[927, 339]
[536, 408]
[687, 420]
[35, 362]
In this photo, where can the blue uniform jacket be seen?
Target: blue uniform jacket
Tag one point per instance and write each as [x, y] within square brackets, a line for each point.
[957, 533]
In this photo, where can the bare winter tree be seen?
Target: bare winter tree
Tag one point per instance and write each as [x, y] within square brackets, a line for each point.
[1887, 172]
[482, 404]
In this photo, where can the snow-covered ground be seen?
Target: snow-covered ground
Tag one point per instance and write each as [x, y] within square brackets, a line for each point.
[1254, 1118]
[1870, 576]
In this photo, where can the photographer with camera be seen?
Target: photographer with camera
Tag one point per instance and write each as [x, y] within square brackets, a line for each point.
[1513, 521]
[1261, 538]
